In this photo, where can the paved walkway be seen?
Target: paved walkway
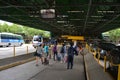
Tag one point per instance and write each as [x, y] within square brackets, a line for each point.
[58, 71]
[54, 71]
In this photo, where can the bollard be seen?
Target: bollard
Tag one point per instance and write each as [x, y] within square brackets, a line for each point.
[27, 49]
[89, 49]
[104, 63]
[14, 51]
[94, 54]
[118, 72]
[98, 58]
[98, 55]
[86, 45]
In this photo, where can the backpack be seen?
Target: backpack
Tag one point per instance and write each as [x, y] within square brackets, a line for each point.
[55, 48]
[62, 50]
[72, 51]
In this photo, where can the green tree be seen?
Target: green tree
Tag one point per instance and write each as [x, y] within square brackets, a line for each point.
[115, 34]
[29, 32]
[11, 28]
[4, 28]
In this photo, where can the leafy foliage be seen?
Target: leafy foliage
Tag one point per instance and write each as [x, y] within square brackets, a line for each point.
[29, 32]
[115, 34]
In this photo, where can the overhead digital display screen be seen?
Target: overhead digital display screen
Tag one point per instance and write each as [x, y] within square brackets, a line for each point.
[47, 13]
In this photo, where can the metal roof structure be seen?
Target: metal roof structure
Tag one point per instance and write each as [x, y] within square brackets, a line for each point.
[72, 17]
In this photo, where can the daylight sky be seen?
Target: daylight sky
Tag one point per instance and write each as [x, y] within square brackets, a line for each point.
[2, 22]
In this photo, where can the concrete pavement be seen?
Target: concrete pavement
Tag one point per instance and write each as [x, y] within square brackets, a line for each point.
[59, 71]
[14, 61]
[54, 71]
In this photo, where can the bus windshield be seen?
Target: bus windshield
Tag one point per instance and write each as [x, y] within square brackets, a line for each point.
[37, 38]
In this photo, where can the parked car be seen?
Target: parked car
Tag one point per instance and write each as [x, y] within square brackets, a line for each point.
[118, 46]
[113, 56]
[114, 59]
[105, 48]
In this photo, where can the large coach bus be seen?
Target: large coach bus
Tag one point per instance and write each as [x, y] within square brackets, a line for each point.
[10, 39]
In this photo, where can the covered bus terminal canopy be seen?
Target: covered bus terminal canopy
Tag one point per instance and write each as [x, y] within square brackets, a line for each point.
[76, 18]
[64, 17]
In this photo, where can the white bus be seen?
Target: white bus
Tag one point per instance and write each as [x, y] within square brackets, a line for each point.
[10, 39]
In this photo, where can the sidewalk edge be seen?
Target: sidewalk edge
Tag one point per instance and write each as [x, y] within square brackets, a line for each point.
[16, 64]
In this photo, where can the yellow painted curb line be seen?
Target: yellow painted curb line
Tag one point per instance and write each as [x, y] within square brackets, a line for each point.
[16, 63]
[87, 73]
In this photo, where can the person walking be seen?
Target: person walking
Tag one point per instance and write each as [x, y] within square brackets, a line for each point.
[55, 52]
[63, 53]
[46, 54]
[39, 52]
[46, 50]
[71, 52]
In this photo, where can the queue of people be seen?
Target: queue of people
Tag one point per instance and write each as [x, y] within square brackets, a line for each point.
[62, 54]
[59, 53]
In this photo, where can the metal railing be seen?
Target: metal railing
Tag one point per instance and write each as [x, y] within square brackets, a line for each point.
[13, 51]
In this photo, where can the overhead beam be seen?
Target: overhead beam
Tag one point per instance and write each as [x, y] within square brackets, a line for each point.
[89, 7]
[108, 29]
[42, 21]
[93, 4]
[98, 28]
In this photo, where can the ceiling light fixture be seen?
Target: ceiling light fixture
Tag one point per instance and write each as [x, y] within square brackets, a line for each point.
[106, 11]
[62, 21]
[77, 19]
[75, 11]
[62, 16]
[96, 16]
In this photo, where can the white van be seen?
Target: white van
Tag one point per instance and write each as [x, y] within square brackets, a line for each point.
[37, 40]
